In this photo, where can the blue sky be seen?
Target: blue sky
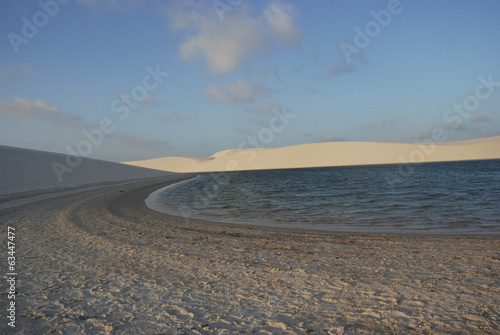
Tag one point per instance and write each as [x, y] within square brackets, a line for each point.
[386, 71]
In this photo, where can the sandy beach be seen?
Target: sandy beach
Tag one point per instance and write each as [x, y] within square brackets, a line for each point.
[229, 167]
[96, 260]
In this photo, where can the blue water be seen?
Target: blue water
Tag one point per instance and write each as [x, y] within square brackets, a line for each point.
[448, 197]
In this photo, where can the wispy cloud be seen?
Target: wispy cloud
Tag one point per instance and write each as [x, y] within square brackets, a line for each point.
[389, 122]
[423, 134]
[176, 117]
[480, 119]
[113, 5]
[281, 16]
[37, 109]
[270, 106]
[239, 92]
[150, 100]
[455, 126]
[339, 67]
[132, 141]
[264, 73]
[226, 45]
[331, 138]
[16, 71]
[263, 111]
[311, 90]
[370, 126]
[147, 99]
[337, 70]
[461, 126]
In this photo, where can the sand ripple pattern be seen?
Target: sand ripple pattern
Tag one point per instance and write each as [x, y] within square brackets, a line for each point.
[100, 262]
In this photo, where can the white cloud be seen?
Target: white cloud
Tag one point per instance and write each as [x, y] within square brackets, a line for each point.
[238, 92]
[281, 19]
[227, 44]
[224, 48]
[37, 109]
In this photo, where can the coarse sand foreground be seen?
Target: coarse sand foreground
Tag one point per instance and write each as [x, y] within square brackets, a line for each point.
[99, 261]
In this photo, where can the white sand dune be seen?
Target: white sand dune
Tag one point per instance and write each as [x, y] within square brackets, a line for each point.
[329, 154]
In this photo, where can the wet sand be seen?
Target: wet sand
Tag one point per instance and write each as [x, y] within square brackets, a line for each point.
[97, 260]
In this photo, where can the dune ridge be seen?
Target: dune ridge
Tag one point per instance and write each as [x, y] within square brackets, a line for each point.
[329, 154]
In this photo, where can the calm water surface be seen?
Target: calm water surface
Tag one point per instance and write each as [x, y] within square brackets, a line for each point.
[449, 197]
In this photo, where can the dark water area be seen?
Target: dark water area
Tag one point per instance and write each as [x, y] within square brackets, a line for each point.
[446, 197]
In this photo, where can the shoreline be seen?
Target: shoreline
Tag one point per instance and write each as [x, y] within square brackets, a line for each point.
[152, 197]
[100, 260]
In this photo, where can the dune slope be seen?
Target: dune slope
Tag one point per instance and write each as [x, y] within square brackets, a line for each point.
[329, 154]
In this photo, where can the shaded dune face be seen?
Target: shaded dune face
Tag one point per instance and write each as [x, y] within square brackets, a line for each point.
[24, 170]
[330, 154]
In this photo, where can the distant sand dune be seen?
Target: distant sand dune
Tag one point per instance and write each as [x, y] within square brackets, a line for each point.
[329, 154]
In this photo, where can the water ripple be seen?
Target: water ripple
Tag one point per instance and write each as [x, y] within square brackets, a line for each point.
[453, 197]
